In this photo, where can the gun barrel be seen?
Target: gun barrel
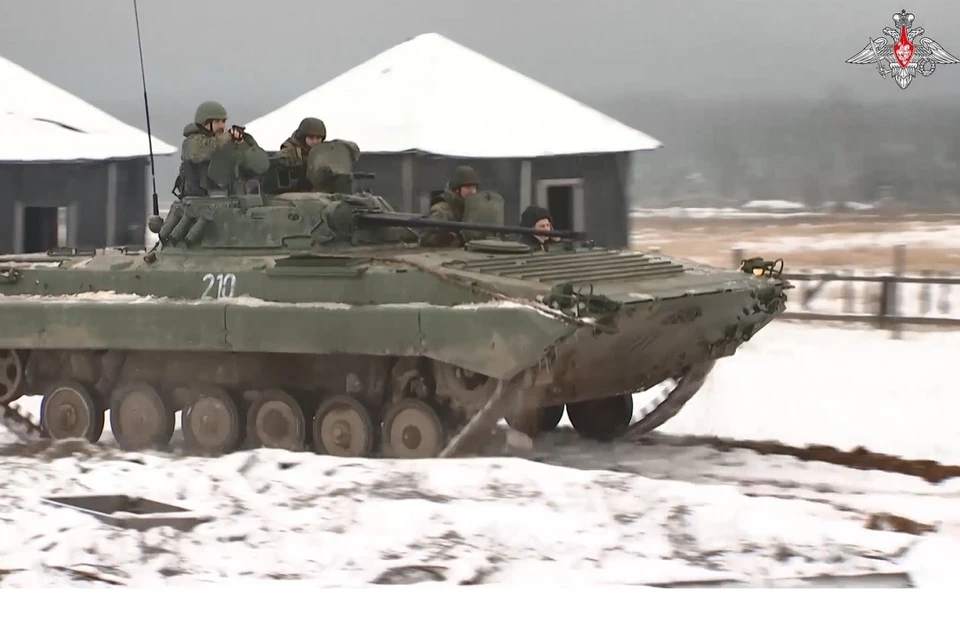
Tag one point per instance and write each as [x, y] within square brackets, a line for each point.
[416, 221]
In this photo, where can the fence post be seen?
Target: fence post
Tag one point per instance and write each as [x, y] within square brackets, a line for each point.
[737, 257]
[899, 266]
[944, 306]
[848, 293]
[925, 297]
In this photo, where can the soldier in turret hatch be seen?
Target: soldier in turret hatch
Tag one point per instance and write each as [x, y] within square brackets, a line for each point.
[537, 218]
[465, 181]
[311, 132]
[295, 150]
[206, 137]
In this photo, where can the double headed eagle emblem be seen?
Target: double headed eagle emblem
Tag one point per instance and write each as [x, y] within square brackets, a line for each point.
[904, 54]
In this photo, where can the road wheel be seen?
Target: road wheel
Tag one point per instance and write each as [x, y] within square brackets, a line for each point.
[604, 419]
[140, 418]
[342, 426]
[276, 421]
[68, 410]
[412, 429]
[211, 423]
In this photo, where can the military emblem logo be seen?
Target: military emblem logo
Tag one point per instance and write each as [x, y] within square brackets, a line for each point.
[905, 53]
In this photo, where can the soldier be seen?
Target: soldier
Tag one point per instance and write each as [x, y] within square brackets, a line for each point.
[330, 171]
[450, 206]
[537, 218]
[206, 136]
[295, 150]
[297, 147]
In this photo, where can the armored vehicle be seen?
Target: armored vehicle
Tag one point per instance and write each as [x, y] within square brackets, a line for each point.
[317, 320]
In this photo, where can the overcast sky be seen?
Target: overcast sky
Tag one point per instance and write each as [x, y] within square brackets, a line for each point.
[255, 56]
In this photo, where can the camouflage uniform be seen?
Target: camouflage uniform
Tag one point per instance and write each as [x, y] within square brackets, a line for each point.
[294, 151]
[450, 207]
[199, 146]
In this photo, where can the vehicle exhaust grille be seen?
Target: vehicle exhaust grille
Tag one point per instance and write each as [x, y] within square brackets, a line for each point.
[579, 267]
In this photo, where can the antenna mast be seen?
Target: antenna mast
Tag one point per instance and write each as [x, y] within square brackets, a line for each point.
[146, 107]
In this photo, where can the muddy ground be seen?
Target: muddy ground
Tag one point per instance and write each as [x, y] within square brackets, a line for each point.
[852, 240]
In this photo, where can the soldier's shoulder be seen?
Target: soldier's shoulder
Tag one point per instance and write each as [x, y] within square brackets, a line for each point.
[440, 208]
[289, 150]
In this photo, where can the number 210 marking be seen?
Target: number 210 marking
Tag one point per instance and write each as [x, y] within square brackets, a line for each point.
[226, 286]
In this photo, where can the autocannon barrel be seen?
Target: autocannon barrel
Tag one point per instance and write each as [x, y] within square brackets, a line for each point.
[416, 221]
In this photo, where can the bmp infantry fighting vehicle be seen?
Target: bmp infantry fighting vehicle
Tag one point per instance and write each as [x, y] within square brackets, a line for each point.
[316, 320]
[275, 317]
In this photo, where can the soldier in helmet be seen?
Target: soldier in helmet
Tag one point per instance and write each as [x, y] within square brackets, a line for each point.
[204, 137]
[295, 150]
[297, 147]
[450, 206]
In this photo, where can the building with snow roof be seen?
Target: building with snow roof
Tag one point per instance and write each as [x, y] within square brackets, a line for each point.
[70, 174]
[415, 119]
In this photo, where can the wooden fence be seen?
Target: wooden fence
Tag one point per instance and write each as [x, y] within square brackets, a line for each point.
[933, 302]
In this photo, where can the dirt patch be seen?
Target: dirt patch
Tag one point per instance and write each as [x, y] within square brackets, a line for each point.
[859, 458]
[893, 522]
[849, 241]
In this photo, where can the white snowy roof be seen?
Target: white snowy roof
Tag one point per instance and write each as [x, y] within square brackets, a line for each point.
[413, 97]
[40, 122]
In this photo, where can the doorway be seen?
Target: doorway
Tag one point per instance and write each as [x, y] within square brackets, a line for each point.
[560, 206]
[44, 228]
[563, 198]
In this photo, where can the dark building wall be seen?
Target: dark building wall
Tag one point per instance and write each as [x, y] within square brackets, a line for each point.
[133, 201]
[605, 180]
[431, 173]
[388, 181]
[6, 209]
[605, 183]
[499, 174]
[85, 184]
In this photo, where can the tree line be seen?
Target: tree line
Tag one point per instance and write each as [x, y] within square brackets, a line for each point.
[834, 149]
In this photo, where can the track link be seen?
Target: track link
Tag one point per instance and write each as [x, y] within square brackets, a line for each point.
[666, 407]
[21, 425]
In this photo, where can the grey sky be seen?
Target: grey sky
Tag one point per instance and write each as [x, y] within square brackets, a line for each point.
[232, 49]
[254, 56]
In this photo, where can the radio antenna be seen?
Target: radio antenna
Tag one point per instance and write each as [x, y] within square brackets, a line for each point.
[146, 107]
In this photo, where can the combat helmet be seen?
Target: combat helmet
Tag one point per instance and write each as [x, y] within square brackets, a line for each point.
[464, 175]
[311, 127]
[209, 110]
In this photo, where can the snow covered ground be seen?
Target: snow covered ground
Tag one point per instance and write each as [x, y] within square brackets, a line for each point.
[803, 384]
[285, 515]
[719, 213]
[591, 513]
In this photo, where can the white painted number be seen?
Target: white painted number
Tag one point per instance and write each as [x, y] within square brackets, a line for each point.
[226, 286]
